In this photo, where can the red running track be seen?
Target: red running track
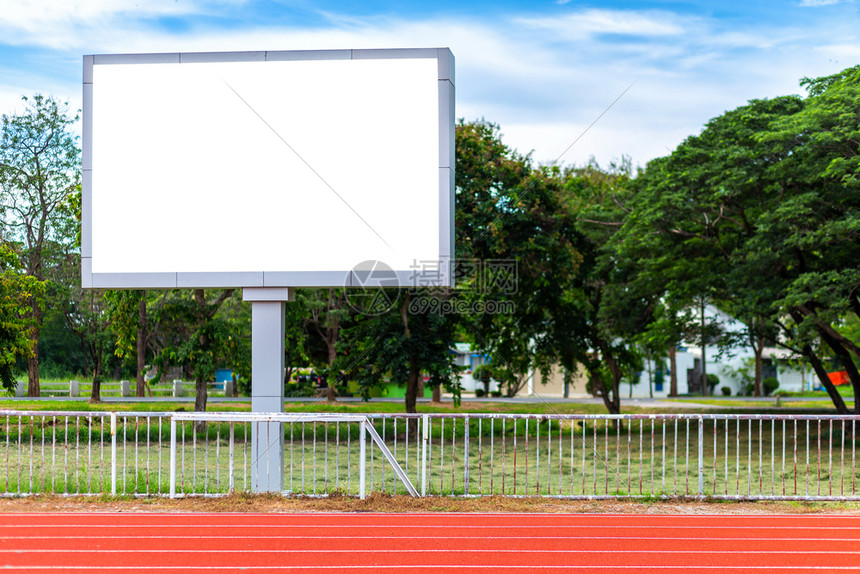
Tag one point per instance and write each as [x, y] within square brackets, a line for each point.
[419, 543]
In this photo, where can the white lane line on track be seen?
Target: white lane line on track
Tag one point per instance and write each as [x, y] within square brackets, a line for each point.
[439, 526]
[392, 537]
[423, 551]
[447, 566]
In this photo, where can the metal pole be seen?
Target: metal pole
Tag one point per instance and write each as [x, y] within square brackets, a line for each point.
[267, 374]
[466, 456]
[425, 434]
[172, 469]
[113, 454]
[701, 456]
[362, 464]
[232, 464]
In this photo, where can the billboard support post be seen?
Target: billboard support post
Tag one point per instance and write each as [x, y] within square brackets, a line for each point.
[267, 380]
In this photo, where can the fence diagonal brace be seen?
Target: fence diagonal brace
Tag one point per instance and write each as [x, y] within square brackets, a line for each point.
[391, 460]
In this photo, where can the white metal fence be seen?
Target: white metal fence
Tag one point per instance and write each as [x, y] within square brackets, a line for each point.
[789, 457]
[124, 388]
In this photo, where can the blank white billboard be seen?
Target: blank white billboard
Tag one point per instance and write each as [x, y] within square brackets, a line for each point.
[267, 169]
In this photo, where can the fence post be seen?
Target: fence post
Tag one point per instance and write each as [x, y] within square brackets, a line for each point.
[362, 464]
[125, 388]
[232, 464]
[74, 389]
[113, 454]
[466, 456]
[177, 387]
[173, 458]
[701, 456]
[425, 438]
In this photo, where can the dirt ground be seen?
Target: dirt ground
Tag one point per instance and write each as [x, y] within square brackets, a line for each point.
[387, 503]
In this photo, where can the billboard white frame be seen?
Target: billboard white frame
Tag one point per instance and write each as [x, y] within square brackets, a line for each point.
[420, 274]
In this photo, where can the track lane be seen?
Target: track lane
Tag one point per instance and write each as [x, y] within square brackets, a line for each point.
[548, 542]
[113, 542]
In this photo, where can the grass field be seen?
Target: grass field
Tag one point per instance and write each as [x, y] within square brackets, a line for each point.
[321, 406]
[785, 404]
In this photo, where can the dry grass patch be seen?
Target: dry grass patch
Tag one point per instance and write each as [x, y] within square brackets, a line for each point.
[268, 503]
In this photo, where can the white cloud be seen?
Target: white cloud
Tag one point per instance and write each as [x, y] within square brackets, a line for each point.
[816, 3]
[536, 77]
[587, 23]
[63, 24]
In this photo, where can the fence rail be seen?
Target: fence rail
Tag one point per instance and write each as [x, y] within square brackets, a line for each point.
[124, 388]
[750, 457]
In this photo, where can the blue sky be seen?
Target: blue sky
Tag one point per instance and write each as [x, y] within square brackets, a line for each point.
[544, 71]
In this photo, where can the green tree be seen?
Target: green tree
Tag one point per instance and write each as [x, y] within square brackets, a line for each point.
[760, 214]
[85, 315]
[39, 172]
[401, 345]
[604, 314]
[128, 314]
[236, 348]
[516, 245]
[326, 314]
[193, 335]
[16, 291]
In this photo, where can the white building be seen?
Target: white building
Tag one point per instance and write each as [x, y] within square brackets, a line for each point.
[469, 360]
[725, 363]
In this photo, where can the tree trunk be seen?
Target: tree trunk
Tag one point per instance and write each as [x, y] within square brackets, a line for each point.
[202, 395]
[141, 345]
[821, 373]
[704, 359]
[614, 404]
[33, 389]
[33, 372]
[199, 379]
[235, 386]
[412, 386]
[650, 378]
[414, 372]
[673, 375]
[331, 391]
[758, 349]
[437, 394]
[412, 378]
[611, 399]
[200, 401]
[847, 364]
[96, 392]
[565, 379]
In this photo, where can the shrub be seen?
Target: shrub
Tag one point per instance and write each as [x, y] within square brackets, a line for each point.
[713, 381]
[479, 392]
[769, 385]
[302, 387]
[726, 390]
[496, 394]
